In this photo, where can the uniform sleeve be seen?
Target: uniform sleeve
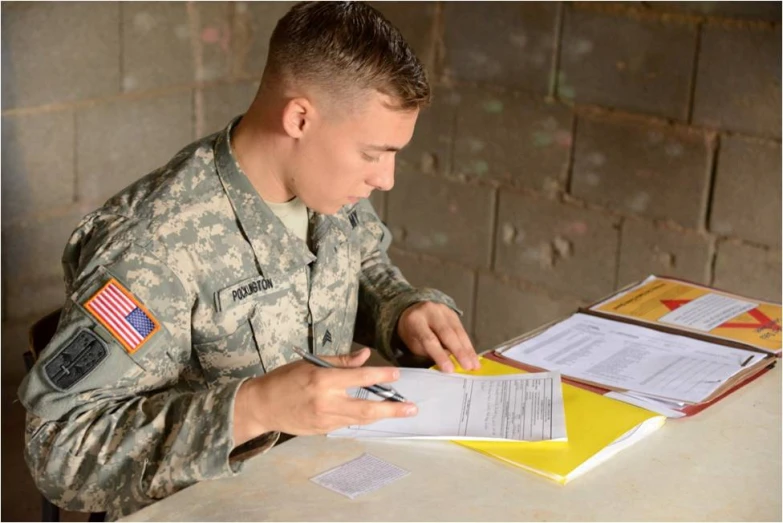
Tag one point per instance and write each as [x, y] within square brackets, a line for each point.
[384, 293]
[111, 425]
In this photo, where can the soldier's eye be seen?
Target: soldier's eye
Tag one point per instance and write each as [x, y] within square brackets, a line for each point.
[370, 158]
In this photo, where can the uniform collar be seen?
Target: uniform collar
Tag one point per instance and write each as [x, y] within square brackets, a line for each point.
[336, 226]
[277, 250]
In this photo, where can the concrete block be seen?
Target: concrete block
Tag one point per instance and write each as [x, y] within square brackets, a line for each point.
[458, 282]
[501, 43]
[635, 64]
[746, 198]
[650, 171]
[750, 271]
[144, 135]
[768, 11]
[738, 80]
[570, 250]
[415, 21]
[449, 220]
[37, 163]
[223, 102]
[504, 311]
[59, 52]
[32, 251]
[169, 43]
[646, 249]
[512, 138]
[430, 149]
[253, 24]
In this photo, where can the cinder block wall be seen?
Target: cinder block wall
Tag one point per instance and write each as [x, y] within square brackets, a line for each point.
[571, 148]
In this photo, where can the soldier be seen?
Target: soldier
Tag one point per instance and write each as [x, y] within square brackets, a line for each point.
[186, 292]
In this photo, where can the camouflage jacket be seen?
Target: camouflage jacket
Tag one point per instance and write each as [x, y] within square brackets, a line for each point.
[178, 289]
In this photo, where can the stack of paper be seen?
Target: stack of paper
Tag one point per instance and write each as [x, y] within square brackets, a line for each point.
[640, 365]
[521, 407]
[598, 428]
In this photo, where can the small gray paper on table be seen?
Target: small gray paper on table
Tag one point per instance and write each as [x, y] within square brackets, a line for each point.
[359, 476]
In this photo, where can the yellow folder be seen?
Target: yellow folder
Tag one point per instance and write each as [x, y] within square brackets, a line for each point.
[597, 429]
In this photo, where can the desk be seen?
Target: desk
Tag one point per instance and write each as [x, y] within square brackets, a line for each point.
[722, 464]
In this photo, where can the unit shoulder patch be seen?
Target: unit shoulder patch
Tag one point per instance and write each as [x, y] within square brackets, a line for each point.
[76, 360]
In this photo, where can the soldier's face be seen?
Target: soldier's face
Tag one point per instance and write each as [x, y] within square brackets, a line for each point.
[345, 157]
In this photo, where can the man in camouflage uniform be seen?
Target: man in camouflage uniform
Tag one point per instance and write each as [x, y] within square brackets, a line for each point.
[186, 292]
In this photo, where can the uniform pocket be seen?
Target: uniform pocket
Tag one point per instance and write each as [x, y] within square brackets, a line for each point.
[231, 357]
[275, 333]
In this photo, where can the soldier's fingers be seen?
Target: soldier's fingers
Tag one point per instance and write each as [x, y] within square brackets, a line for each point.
[469, 344]
[467, 354]
[425, 341]
[451, 341]
[361, 377]
[363, 412]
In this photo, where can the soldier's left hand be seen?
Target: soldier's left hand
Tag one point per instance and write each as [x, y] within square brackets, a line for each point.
[434, 330]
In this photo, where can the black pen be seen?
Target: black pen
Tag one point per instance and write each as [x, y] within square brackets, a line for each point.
[383, 391]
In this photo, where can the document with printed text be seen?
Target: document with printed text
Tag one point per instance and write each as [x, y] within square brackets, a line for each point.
[360, 476]
[517, 407]
[633, 358]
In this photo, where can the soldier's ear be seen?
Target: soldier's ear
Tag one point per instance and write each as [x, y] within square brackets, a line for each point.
[298, 116]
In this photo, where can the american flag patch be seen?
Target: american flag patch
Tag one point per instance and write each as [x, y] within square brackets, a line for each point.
[127, 319]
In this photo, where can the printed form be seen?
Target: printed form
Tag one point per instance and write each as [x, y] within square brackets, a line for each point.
[516, 407]
[633, 358]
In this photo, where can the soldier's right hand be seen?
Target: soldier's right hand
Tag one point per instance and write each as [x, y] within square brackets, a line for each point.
[300, 398]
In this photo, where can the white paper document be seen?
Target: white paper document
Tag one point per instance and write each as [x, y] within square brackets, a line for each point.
[707, 312]
[647, 402]
[632, 358]
[517, 407]
[360, 476]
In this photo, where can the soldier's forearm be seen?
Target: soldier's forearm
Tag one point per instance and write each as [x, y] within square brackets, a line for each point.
[383, 295]
[143, 447]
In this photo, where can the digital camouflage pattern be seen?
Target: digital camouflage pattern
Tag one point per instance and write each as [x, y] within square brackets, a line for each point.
[232, 289]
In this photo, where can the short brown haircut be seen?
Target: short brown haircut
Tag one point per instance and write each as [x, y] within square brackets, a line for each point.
[344, 45]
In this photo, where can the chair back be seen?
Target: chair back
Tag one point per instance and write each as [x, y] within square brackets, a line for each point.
[39, 336]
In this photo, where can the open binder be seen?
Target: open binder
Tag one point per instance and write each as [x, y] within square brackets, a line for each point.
[682, 308]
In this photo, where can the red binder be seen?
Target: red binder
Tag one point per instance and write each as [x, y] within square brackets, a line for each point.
[737, 382]
[688, 410]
